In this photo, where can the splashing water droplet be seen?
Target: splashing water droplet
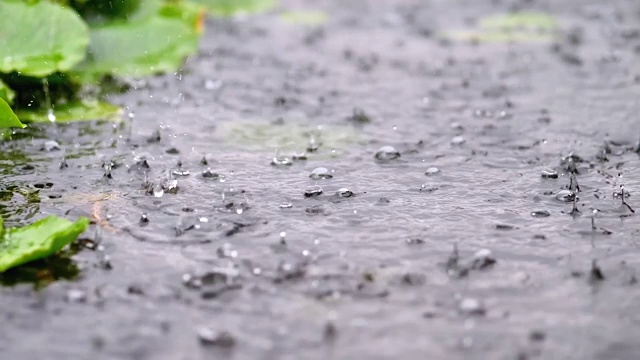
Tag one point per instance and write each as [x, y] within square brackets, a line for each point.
[312, 191]
[158, 191]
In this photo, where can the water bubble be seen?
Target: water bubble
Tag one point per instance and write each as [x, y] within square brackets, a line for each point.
[457, 140]
[181, 172]
[540, 213]
[51, 145]
[320, 173]
[432, 171]
[345, 193]
[209, 338]
[387, 153]
[471, 306]
[549, 174]
[482, 259]
[208, 174]
[281, 161]
[286, 205]
[565, 195]
[312, 191]
[76, 296]
[158, 190]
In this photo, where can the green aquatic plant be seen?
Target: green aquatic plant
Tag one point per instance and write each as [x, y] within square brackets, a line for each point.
[38, 240]
[51, 50]
[234, 7]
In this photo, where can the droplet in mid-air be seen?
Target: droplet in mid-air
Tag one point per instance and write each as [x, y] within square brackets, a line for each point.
[320, 173]
[158, 190]
[387, 153]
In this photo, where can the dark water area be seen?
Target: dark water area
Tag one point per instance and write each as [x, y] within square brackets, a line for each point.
[461, 241]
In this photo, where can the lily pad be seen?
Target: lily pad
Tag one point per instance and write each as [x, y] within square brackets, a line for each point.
[38, 240]
[6, 93]
[517, 27]
[74, 111]
[153, 44]
[310, 18]
[235, 7]
[7, 118]
[40, 38]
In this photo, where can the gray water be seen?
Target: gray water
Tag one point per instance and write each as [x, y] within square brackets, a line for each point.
[368, 276]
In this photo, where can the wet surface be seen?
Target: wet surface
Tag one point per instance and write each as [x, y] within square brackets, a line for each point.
[250, 206]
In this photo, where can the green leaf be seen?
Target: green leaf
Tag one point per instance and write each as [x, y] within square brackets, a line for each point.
[38, 240]
[40, 38]
[234, 7]
[154, 44]
[6, 93]
[7, 117]
[311, 18]
[74, 111]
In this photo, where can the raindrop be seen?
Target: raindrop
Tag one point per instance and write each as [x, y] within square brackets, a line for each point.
[158, 190]
[281, 161]
[345, 193]
[320, 173]
[51, 145]
[76, 296]
[387, 153]
[482, 259]
[181, 172]
[432, 171]
[565, 195]
[283, 237]
[457, 140]
[204, 161]
[540, 213]
[287, 205]
[144, 220]
[313, 145]
[471, 306]
[312, 191]
[549, 174]
[63, 164]
[222, 339]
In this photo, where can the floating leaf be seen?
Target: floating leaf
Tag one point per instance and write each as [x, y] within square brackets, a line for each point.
[7, 117]
[519, 27]
[154, 44]
[38, 240]
[40, 38]
[6, 93]
[312, 18]
[74, 111]
[234, 7]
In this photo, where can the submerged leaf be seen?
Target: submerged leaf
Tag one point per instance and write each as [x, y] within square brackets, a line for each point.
[74, 111]
[518, 27]
[234, 7]
[7, 117]
[6, 93]
[38, 240]
[40, 38]
[154, 44]
[304, 17]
